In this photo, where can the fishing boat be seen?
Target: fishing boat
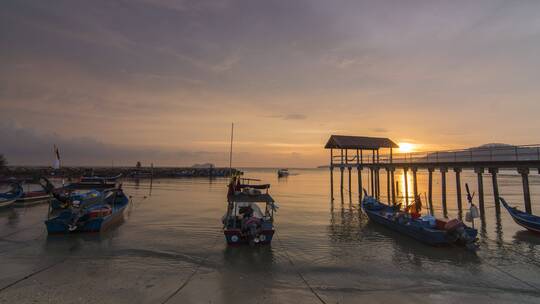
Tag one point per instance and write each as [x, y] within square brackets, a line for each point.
[245, 222]
[96, 182]
[63, 196]
[34, 193]
[94, 211]
[524, 219]
[30, 198]
[426, 229]
[283, 172]
[9, 197]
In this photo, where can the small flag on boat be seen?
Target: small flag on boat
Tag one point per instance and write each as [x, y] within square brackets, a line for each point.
[56, 164]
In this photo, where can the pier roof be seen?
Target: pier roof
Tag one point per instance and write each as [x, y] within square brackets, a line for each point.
[359, 142]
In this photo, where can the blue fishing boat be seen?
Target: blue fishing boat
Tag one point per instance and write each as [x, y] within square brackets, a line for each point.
[90, 212]
[525, 220]
[428, 230]
[9, 197]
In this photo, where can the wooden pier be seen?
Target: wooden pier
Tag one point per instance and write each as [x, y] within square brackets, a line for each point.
[351, 154]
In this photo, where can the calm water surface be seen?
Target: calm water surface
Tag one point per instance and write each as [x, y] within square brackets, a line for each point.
[170, 248]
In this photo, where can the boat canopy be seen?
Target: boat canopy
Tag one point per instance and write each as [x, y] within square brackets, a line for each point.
[247, 198]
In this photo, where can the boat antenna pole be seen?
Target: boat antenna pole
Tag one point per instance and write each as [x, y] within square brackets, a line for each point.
[470, 199]
[230, 152]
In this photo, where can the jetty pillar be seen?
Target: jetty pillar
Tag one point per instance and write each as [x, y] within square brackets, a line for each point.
[479, 172]
[406, 186]
[393, 189]
[350, 189]
[494, 172]
[360, 192]
[331, 182]
[415, 184]
[388, 195]
[458, 192]
[331, 174]
[378, 183]
[526, 193]
[371, 183]
[430, 189]
[443, 190]
[341, 183]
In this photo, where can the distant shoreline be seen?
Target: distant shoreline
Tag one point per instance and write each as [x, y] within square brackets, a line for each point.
[129, 172]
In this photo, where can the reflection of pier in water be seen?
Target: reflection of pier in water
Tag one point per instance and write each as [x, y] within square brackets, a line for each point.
[363, 153]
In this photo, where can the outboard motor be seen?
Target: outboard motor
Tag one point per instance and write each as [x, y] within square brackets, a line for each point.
[251, 226]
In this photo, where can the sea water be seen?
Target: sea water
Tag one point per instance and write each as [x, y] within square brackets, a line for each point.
[170, 249]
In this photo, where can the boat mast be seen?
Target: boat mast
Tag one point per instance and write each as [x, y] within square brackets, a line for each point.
[230, 152]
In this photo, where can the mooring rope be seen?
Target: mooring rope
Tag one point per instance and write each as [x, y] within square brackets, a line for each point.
[188, 279]
[298, 272]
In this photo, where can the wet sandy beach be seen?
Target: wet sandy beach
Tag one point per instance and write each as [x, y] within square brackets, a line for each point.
[170, 249]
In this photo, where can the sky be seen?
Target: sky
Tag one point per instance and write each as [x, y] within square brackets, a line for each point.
[160, 81]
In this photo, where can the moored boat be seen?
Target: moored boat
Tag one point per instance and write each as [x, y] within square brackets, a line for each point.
[95, 182]
[283, 172]
[30, 198]
[90, 213]
[245, 222]
[427, 229]
[524, 219]
[8, 198]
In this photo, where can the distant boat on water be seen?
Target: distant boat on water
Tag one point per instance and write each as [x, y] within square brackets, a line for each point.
[283, 172]
[95, 182]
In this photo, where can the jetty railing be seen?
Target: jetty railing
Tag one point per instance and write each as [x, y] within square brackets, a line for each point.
[480, 154]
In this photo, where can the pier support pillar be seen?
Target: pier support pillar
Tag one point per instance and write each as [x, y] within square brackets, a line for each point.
[406, 186]
[430, 189]
[371, 182]
[350, 189]
[443, 190]
[332, 182]
[392, 185]
[526, 193]
[415, 184]
[341, 183]
[458, 192]
[494, 172]
[388, 195]
[377, 183]
[360, 191]
[479, 172]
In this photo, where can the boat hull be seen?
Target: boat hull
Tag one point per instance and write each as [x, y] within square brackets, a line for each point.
[60, 223]
[527, 221]
[234, 237]
[426, 235]
[29, 199]
[6, 203]
[433, 239]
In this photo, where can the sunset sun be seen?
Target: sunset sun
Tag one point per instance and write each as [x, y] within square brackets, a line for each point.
[405, 147]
